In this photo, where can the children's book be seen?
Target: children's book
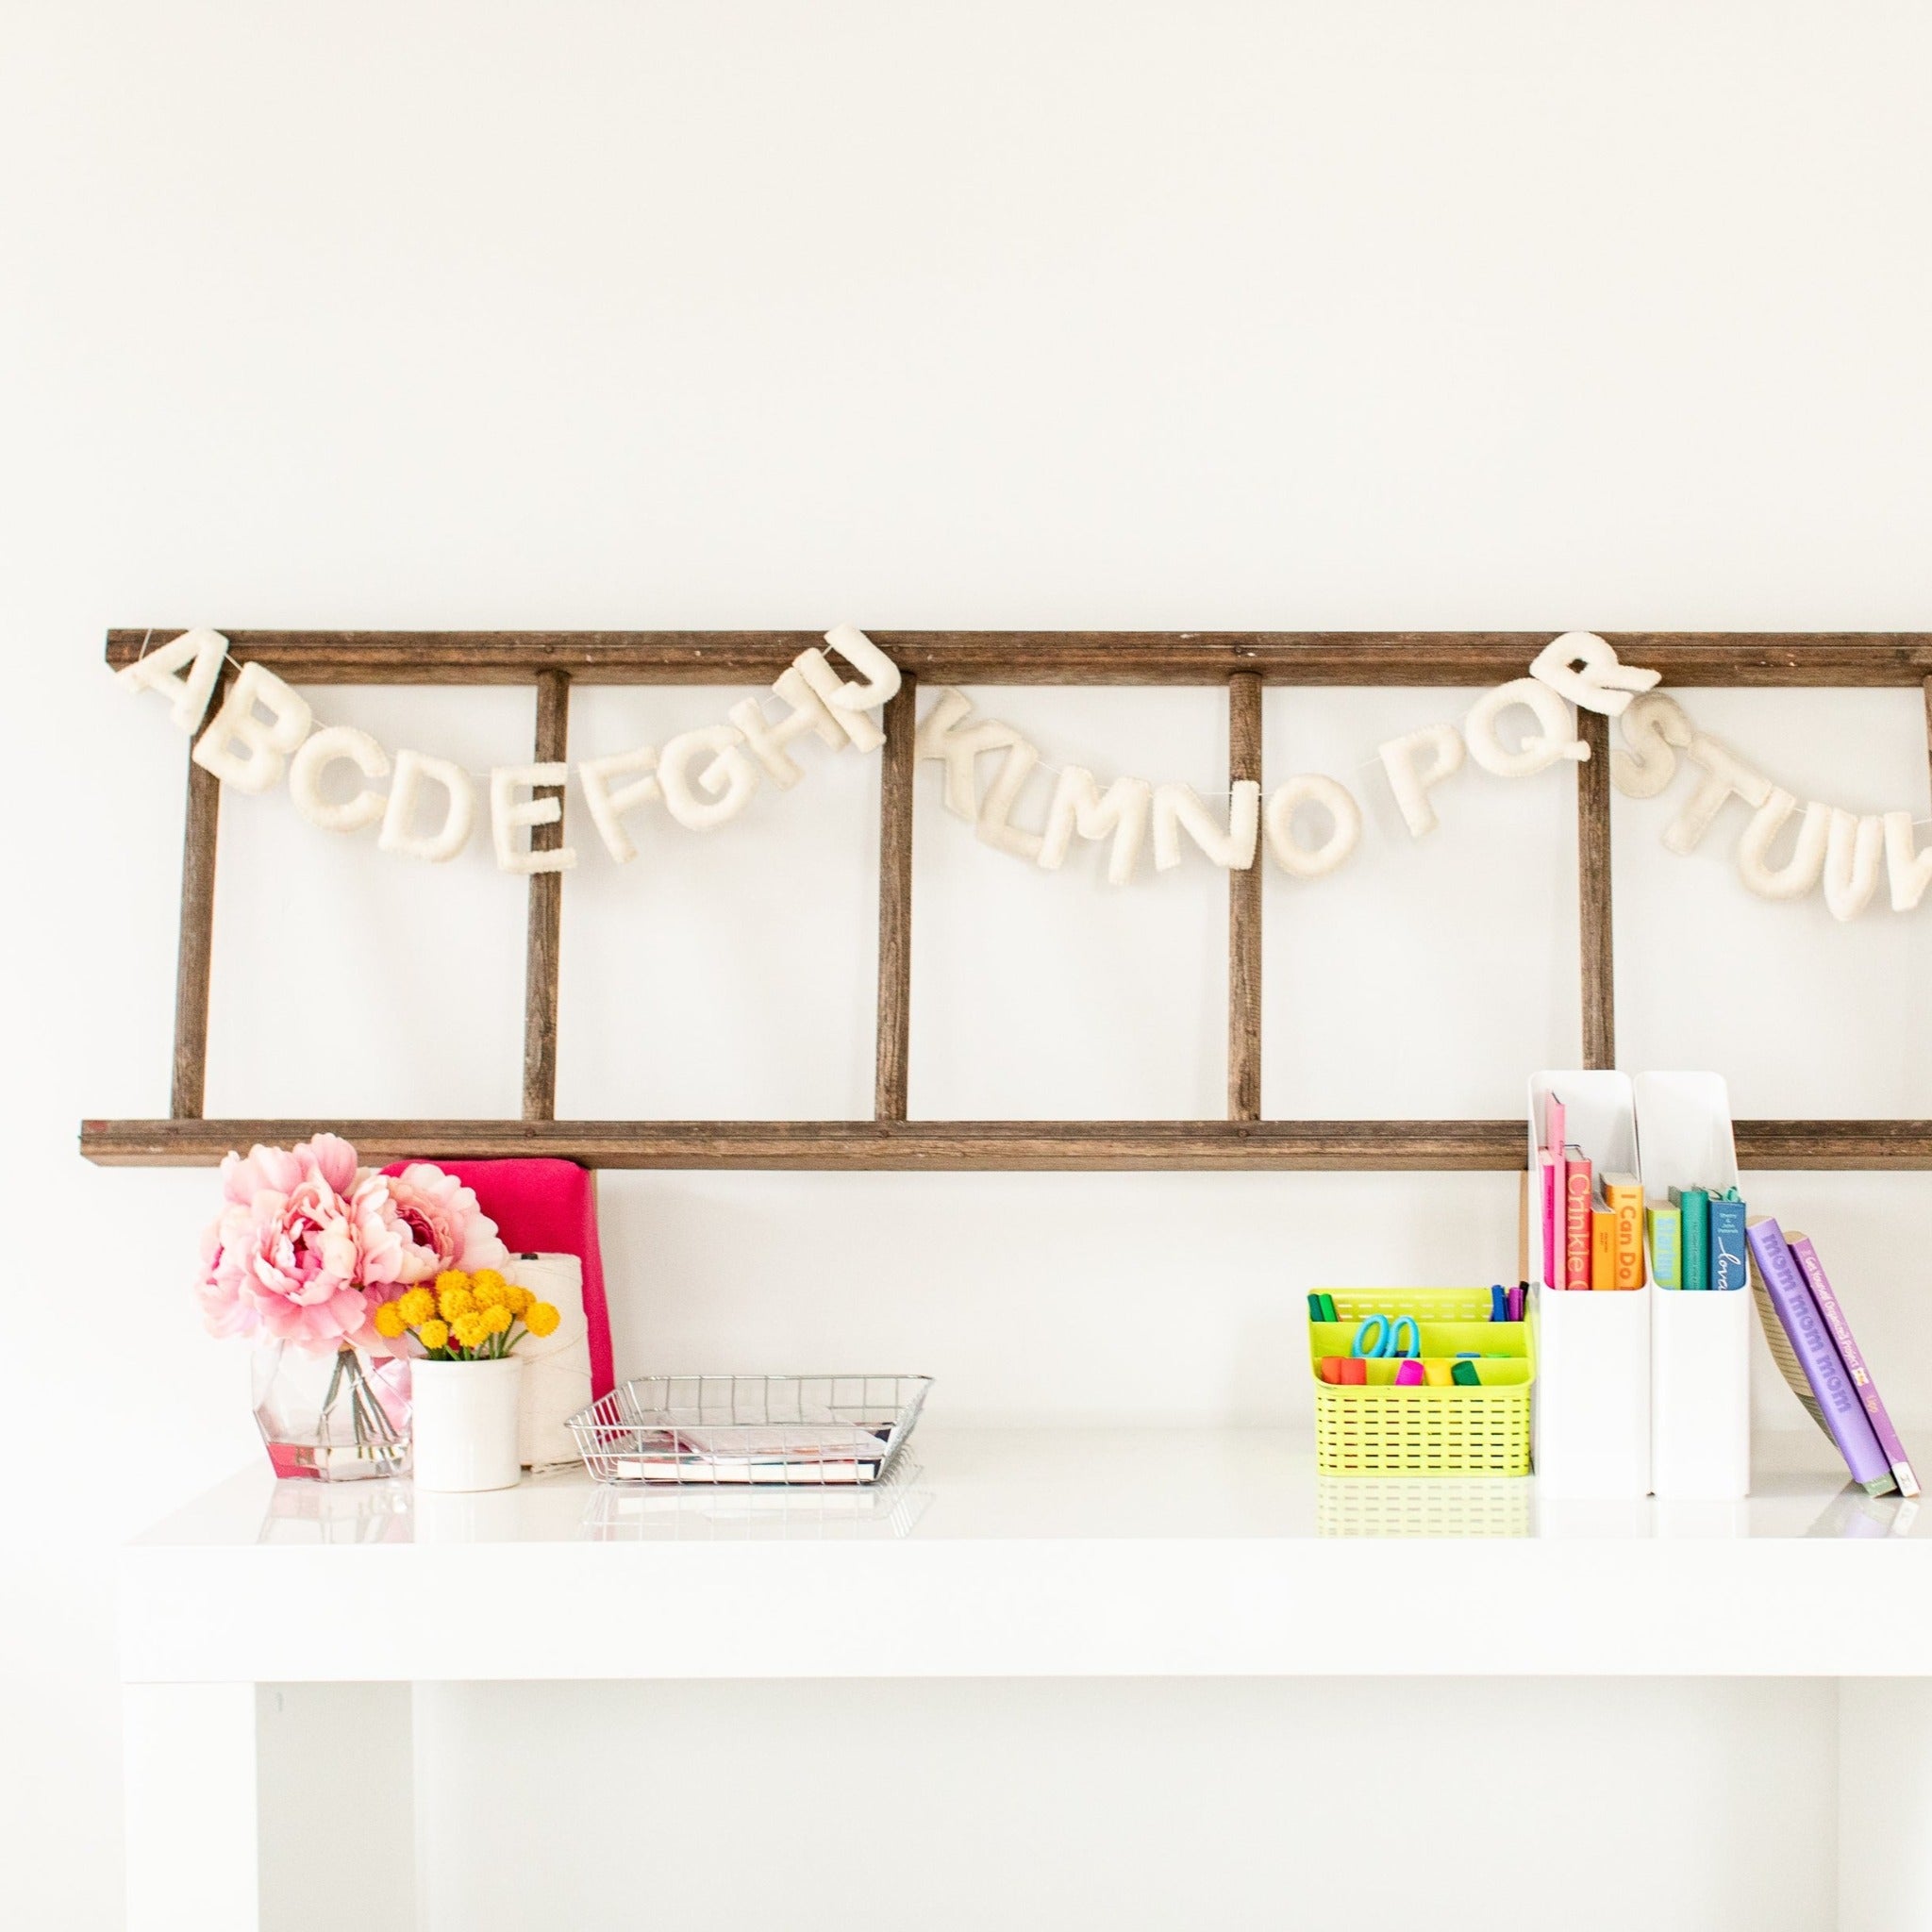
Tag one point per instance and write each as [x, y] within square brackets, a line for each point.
[1550, 1158]
[1694, 1204]
[1809, 1358]
[1726, 1239]
[1577, 1208]
[1602, 1248]
[1806, 1256]
[1666, 1246]
[1623, 1197]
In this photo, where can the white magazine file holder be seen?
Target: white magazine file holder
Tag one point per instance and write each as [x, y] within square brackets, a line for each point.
[1591, 1420]
[1700, 1341]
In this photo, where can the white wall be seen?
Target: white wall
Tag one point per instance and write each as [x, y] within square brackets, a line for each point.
[1065, 315]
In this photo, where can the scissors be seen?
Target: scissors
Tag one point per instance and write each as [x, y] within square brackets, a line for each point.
[1381, 1336]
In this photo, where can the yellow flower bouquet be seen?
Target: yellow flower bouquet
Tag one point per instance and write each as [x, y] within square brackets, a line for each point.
[476, 1317]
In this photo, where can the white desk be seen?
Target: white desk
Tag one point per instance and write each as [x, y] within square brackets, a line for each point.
[271, 1632]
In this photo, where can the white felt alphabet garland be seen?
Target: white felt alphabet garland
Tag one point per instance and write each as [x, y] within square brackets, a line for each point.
[264, 729]
[341, 779]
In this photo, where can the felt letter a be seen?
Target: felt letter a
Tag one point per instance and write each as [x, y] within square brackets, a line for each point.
[203, 652]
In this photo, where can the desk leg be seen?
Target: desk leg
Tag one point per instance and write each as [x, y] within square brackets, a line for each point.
[1884, 1804]
[272, 1808]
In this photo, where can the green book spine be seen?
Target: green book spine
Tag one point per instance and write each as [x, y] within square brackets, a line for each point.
[1666, 1246]
[1694, 1203]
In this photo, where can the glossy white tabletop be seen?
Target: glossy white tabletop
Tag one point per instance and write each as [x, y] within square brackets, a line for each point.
[1052, 1552]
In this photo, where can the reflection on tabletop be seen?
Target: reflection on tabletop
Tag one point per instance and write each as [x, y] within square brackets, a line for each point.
[557, 1505]
[1229, 1485]
[802, 1512]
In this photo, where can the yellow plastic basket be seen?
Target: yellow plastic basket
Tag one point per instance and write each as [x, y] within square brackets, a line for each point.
[1382, 1430]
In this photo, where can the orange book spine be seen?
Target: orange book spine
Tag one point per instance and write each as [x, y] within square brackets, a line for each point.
[1602, 1248]
[1625, 1199]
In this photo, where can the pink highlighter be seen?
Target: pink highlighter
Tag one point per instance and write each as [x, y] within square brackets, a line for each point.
[1408, 1374]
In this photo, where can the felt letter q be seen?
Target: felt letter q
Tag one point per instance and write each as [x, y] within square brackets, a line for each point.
[1553, 741]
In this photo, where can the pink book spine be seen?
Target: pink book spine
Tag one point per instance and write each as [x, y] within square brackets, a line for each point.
[1577, 1181]
[1835, 1319]
[1553, 1126]
[1553, 1248]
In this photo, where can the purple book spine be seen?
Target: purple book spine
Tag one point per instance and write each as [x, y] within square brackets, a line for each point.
[1832, 1310]
[1845, 1414]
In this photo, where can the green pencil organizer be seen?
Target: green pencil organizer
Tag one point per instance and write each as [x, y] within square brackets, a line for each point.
[1382, 1430]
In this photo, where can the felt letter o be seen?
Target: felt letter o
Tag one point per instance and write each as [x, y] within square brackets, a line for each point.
[337, 744]
[1344, 833]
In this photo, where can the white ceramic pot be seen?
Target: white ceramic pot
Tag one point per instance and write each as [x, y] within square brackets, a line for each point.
[465, 1424]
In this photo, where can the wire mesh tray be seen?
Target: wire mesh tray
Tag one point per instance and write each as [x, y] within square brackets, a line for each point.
[793, 1431]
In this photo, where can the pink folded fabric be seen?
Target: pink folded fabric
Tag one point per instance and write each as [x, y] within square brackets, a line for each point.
[541, 1207]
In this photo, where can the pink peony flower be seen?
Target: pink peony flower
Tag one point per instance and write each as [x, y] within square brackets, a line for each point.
[307, 1244]
[281, 1259]
[425, 1221]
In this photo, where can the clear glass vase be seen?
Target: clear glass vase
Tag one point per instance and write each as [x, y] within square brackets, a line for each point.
[336, 1417]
